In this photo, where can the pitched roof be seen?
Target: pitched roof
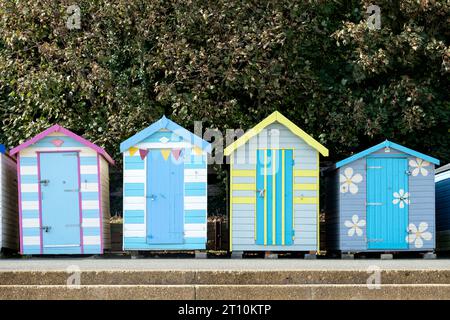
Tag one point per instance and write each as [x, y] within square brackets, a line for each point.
[385, 144]
[168, 124]
[443, 168]
[58, 128]
[276, 117]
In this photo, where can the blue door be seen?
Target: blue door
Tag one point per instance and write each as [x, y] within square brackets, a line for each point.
[165, 198]
[274, 202]
[59, 182]
[387, 203]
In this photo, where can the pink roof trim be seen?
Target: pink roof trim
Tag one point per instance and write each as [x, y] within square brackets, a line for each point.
[58, 128]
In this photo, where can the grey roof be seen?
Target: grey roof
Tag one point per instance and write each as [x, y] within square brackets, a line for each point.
[443, 168]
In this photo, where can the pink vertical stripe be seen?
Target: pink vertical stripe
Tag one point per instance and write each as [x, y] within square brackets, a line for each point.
[100, 201]
[40, 200]
[80, 203]
[20, 204]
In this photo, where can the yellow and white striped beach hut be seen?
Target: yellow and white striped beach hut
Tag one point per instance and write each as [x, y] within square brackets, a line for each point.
[274, 188]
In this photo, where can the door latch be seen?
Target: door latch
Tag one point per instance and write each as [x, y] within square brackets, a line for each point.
[152, 197]
[262, 193]
[44, 182]
[408, 173]
[46, 228]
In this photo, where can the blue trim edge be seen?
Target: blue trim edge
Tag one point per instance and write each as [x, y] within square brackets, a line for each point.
[2, 148]
[165, 123]
[384, 144]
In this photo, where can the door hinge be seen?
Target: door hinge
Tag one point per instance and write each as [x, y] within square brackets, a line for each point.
[374, 203]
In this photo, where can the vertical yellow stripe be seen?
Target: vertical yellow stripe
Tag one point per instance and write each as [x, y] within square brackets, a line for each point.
[282, 199]
[231, 202]
[274, 193]
[265, 197]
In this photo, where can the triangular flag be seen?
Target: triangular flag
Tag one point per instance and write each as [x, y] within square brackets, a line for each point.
[143, 153]
[197, 150]
[133, 150]
[165, 153]
[176, 153]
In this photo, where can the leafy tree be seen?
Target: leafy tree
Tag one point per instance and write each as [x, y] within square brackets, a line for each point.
[229, 63]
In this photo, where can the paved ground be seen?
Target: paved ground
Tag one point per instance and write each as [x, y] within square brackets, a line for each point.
[43, 264]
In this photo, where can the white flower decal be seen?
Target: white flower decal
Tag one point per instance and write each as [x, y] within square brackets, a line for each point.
[416, 235]
[349, 181]
[401, 198]
[355, 226]
[418, 165]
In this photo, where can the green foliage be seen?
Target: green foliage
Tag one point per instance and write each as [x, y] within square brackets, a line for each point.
[229, 63]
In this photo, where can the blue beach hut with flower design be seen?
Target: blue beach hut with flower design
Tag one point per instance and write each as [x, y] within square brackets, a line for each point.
[382, 200]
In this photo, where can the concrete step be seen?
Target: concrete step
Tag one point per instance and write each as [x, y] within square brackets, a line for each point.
[222, 277]
[227, 292]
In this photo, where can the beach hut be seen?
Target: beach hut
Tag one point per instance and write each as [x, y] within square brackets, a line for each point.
[382, 200]
[164, 189]
[274, 188]
[63, 194]
[9, 233]
[442, 180]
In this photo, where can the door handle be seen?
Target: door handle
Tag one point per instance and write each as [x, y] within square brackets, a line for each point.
[262, 193]
[46, 228]
[44, 182]
[152, 197]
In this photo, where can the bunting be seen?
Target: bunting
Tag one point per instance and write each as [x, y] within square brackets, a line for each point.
[197, 151]
[143, 153]
[165, 153]
[176, 153]
[133, 150]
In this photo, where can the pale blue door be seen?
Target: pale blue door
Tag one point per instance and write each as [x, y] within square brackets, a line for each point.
[387, 203]
[59, 180]
[165, 198]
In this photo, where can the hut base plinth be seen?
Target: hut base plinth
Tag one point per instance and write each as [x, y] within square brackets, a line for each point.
[310, 256]
[347, 256]
[429, 256]
[386, 256]
[200, 255]
[270, 255]
[237, 254]
[135, 255]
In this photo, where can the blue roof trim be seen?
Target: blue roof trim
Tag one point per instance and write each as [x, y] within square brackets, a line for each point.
[168, 124]
[383, 145]
[2, 148]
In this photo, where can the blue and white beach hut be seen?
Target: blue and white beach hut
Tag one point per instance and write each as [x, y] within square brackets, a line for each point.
[165, 189]
[382, 199]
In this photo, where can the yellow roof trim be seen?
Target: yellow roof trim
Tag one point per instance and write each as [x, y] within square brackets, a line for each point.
[276, 117]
